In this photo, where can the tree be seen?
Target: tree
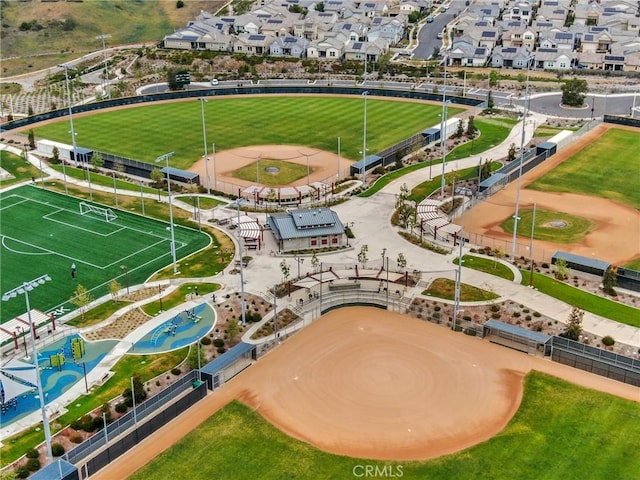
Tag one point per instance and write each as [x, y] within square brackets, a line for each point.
[285, 269]
[471, 127]
[511, 155]
[493, 78]
[139, 393]
[233, 329]
[562, 270]
[114, 289]
[29, 111]
[362, 256]
[485, 170]
[55, 155]
[609, 281]
[172, 83]
[271, 196]
[401, 261]
[157, 177]
[97, 161]
[314, 261]
[193, 357]
[402, 197]
[320, 7]
[574, 325]
[490, 103]
[81, 298]
[179, 4]
[31, 139]
[459, 129]
[574, 92]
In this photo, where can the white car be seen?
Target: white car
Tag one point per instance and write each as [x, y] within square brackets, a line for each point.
[439, 34]
[214, 81]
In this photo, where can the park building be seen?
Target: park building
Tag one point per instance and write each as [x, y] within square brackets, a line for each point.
[307, 229]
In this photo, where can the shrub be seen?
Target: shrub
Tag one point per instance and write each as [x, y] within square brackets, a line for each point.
[22, 472]
[205, 341]
[98, 423]
[545, 265]
[87, 423]
[516, 314]
[495, 308]
[121, 407]
[608, 341]
[495, 315]
[175, 371]
[221, 350]
[537, 314]
[57, 449]
[76, 424]
[437, 309]
[33, 464]
[75, 438]
[32, 453]
[528, 318]
[218, 342]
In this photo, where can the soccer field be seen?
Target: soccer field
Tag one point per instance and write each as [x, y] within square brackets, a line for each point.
[43, 232]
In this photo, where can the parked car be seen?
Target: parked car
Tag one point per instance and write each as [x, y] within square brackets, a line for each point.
[439, 34]
[429, 19]
[214, 81]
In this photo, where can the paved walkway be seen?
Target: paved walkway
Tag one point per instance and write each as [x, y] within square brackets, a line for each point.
[371, 225]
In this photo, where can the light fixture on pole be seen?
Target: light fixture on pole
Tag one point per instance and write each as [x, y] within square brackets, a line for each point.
[533, 229]
[125, 269]
[237, 204]
[25, 288]
[107, 89]
[165, 158]
[516, 218]
[364, 141]
[215, 175]
[204, 139]
[299, 260]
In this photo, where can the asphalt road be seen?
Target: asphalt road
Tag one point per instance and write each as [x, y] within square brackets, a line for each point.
[428, 39]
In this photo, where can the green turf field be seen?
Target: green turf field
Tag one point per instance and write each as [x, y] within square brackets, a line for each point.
[609, 168]
[560, 431]
[146, 132]
[43, 232]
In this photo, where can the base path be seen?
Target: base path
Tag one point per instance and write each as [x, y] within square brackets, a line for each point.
[613, 220]
[367, 383]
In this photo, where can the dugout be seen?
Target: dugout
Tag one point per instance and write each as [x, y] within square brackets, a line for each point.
[517, 338]
[582, 264]
[222, 369]
[431, 135]
[548, 147]
[182, 176]
[368, 162]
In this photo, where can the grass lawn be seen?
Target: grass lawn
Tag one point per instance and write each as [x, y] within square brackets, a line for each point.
[257, 172]
[445, 288]
[587, 301]
[574, 232]
[386, 179]
[559, 431]
[606, 168]
[177, 297]
[41, 233]
[146, 366]
[234, 122]
[634, 264]
[105, 180]
[486, 265]
[547, 131]
[493, 131]
[18, 167]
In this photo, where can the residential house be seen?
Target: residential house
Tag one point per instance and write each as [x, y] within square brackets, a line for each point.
[555, 15]
[510, 57]
[558, 39]
[252, 44]
[553, 59]
[248, 23]
[519, 11]
[326, 49]
[597, 42]
[359, 51]
[614, 63]
[278, 27]
[519, 37]
[587, 14]
[389, 29]
[289, 46]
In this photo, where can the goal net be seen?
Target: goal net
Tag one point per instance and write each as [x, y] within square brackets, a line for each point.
[103, 212]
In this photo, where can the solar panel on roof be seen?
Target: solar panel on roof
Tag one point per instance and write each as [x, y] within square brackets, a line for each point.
[256, 37]
[509, 50]
[480, 51]
[614, 58]
[357, 45]
[563, 36]
[290, 40]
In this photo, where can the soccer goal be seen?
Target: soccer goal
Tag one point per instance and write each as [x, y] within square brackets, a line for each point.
[103, 212]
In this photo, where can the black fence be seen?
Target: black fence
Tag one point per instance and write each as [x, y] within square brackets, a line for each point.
[157, 404]
[629, 122]
[627, 278]
[243, 89]
[596, 360]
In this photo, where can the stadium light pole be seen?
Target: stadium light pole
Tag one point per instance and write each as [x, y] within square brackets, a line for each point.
[443, 126]
[125, 269]
[237, 204]
[107, 89]
[525, 113]
[24, 289]
[364, 140]
[204, 139]
[66, 69]
[165, 158]
[215, 175]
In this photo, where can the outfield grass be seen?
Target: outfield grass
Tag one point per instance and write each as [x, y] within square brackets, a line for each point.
[145, 132]
[145, 366]
[18, 167]
[486, 265]
[560, 431]
[633, 264]
[41, 234]
[606, 168]
[445, 288]
[587, 301]
[574, 232]
[493, 131]
[257, 172]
